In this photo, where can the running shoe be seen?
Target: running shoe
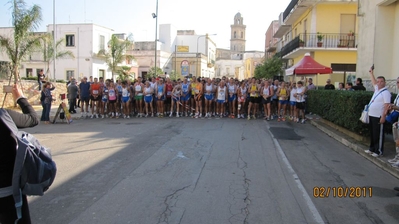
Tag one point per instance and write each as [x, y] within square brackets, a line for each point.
[177, 114]
[152, 114]
[394, 160]
[249, 117]
[128, 117]
[283, 119]
[200, 115]
[92, 116]
[171, 115]
[303, 121]
[268, 119]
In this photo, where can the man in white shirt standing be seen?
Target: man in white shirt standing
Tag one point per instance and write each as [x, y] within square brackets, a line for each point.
[379, 102]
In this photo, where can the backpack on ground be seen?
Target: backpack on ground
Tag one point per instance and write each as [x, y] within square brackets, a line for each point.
[34, 169]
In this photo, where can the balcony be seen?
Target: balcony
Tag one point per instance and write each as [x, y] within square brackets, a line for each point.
[295, 9]
[309, 42]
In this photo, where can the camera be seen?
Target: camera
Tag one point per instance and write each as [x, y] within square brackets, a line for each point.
[7, 89]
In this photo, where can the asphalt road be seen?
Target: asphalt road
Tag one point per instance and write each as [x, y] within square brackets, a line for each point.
[184, 170]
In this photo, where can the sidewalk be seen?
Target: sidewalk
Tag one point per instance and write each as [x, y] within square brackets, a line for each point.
[357, 143]
[54, 108]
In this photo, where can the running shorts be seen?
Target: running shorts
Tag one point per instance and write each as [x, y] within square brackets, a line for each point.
[232, 98]
[125, 99]
[148, 99]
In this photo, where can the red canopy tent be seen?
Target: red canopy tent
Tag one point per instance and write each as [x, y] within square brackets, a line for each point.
[307, 66]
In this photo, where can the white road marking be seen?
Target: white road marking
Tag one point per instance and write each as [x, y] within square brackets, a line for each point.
[316, 215]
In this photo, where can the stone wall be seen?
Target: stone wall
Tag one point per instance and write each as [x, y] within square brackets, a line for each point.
[31, 92]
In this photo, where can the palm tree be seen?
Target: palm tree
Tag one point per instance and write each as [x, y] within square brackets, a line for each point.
[48, 51]
[23, 42]
[116, 53]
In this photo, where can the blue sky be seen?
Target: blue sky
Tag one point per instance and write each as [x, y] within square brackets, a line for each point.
[134, 16]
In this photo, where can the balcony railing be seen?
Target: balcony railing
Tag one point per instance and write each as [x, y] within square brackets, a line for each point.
[328, 40]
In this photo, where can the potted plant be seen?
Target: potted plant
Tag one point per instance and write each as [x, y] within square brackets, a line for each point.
[320, 37]
[301, 43]
[351, 33]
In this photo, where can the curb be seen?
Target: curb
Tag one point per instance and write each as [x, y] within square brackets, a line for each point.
[359, 148]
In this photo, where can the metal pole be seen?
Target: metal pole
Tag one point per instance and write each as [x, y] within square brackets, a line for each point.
[54, 50]
[156, 39]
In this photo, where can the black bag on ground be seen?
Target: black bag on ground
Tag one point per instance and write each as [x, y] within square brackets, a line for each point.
[34, 169]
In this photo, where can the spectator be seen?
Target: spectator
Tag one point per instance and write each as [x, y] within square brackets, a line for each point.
[46, 100]
[341, 86]
[379, 102]
[311, 86]
[359, 85]
[7, 157]
[349, 86]
[84, 96]
[40, 79]
[72, 94]
[329, 85]
[395, 131]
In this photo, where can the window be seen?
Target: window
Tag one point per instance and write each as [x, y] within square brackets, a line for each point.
[70, 40]
[102, 43]
[101, 73]
[69, 74]
[227, 70]
[235, 34]
[242, 35]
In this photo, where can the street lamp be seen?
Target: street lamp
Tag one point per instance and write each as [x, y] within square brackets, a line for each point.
[206, 35]
[155, 16]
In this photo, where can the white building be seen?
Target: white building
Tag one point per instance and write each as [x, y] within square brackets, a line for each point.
[232, 62]
[378, 39]
[85, 41]
[199, 51]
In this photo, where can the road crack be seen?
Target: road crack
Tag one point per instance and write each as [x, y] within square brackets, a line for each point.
[242, 165]
[169, 200]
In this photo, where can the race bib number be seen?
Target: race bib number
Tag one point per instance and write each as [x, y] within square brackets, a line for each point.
[169, 93]
[95, 92]
[160, 93]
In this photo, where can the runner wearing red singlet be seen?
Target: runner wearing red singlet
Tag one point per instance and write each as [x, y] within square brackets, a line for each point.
[168, 101]
[95, 88]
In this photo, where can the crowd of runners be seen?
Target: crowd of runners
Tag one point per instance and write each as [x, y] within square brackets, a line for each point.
[195, 97]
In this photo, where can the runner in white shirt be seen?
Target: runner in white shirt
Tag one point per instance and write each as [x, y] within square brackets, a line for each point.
[300, 101]
[292, 101]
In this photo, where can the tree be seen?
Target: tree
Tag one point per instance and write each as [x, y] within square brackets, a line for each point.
[23, 42]
[175, 76]
[151, 72]
[116, 53]
[48, 51]
[270, 68]
[124, 73]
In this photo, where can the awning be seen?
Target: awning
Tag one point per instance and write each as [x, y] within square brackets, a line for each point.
[307, 66]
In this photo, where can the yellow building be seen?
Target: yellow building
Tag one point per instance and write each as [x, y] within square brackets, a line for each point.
[325, 29]
[250, 64]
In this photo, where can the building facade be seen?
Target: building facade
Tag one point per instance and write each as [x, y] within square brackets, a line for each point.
[84, 41]
[236, 62]
[237, 41]
[328, 30]
[179, 51]
[270, 40]
[378, 40]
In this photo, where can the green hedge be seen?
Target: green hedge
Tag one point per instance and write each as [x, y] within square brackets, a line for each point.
[29, 78]
[343, 108]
